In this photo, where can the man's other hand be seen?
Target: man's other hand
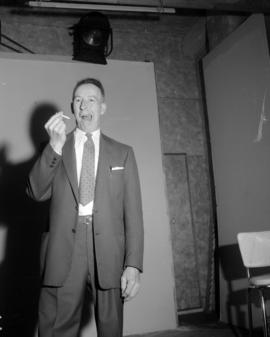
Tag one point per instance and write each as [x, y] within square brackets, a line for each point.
[130, 283]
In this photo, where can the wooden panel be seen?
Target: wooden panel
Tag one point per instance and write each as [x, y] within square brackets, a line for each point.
[182, 233]
[198, 180]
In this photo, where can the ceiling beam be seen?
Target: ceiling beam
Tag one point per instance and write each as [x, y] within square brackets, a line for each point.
[251, 6]
[232, 6]
[100, 7]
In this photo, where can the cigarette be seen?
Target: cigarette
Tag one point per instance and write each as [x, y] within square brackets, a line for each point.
[64, 116]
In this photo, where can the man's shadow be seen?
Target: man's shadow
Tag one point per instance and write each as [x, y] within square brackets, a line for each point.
[23, 220]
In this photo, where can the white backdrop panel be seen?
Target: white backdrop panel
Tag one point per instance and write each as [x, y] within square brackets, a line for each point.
[131, 118]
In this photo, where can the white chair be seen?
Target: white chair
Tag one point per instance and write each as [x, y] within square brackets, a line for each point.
[255, 252]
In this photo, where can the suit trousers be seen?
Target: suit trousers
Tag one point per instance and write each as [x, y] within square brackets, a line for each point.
[60, 308]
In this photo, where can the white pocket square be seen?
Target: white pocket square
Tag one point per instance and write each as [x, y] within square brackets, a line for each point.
[115, 168]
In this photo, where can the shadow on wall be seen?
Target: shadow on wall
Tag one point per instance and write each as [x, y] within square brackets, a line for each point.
[233, 269]
[24, 221]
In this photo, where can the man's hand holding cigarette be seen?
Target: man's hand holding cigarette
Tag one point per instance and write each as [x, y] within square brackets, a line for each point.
[56, 129]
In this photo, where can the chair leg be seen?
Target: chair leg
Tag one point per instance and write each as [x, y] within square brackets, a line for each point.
[250, 320]
[265, 325]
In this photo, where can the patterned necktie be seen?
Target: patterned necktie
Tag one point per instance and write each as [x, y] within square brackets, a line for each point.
[87, 179]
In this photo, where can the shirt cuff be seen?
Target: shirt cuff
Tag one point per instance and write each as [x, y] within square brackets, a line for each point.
[57, 151]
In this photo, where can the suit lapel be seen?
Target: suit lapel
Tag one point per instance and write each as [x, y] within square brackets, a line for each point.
[103, 167]
[69, 160]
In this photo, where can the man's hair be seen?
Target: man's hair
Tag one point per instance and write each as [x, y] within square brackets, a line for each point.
[90, 80]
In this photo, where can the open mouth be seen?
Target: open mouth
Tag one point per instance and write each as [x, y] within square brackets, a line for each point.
[87, 117]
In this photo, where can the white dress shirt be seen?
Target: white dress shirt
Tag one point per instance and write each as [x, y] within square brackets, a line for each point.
[80, 139]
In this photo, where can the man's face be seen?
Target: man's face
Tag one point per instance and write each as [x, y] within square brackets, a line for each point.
[88, 106]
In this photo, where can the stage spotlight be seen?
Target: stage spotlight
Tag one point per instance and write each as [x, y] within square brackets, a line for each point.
[92, 38]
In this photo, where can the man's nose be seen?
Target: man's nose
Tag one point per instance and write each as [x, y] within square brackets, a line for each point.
[84, 104]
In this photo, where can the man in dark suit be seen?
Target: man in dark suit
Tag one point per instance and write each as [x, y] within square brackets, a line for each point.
[95, 236]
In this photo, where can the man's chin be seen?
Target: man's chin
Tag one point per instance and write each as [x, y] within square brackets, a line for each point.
[86, 126]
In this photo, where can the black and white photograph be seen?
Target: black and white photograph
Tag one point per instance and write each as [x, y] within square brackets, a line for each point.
[134, 168]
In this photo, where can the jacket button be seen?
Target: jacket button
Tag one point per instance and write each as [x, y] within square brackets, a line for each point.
[76, 207]
[73, 230]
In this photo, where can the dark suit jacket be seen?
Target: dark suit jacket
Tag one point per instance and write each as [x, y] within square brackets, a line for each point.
[117, 213]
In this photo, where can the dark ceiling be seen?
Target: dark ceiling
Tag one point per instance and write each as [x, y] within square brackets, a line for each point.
[233, 6]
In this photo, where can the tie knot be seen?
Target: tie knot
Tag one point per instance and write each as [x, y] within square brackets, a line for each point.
[89, 139]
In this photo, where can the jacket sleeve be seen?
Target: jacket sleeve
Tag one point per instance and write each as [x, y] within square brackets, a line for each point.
[133, 216]
[39, 184]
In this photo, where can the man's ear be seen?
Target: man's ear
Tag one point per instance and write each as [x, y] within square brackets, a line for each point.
[71, 108]
[104, 108]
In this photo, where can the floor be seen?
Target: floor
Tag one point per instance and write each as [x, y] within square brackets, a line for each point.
[211, 330]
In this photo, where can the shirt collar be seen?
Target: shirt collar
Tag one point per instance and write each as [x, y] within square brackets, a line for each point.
[80, 135]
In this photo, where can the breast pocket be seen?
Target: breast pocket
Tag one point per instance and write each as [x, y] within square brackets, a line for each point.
[117, 182]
